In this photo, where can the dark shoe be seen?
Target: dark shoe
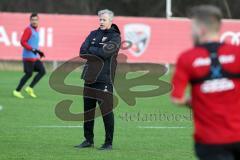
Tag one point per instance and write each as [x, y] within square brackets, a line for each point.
[84, 144]
[105, 147]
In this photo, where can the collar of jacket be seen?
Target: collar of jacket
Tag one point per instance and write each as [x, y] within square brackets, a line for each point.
[114, 28]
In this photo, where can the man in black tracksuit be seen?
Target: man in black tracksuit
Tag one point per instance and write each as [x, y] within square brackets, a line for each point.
[100, 49]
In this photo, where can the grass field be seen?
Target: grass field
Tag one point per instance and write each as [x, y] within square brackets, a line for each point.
[30, 130]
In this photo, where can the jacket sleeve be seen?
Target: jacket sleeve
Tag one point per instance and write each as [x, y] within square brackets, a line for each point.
[104, 52]
[180, 78]
[85, 46]
[25, 37]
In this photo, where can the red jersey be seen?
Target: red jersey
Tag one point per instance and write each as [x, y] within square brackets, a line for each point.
[215, 102]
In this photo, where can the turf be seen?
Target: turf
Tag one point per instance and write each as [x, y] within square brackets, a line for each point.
[30, 130]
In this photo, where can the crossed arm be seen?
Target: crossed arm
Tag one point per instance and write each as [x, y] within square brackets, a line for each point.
[100, 50]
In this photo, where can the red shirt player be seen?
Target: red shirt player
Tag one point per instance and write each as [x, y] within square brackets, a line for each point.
[213, 71]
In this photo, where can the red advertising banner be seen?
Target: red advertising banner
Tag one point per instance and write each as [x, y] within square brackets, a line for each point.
[154, 40]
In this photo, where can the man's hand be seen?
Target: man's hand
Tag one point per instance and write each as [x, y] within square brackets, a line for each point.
[182, 101]
[110, 47]
[36, 51]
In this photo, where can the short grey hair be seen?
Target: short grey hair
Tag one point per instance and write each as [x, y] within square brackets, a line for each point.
[106, 11]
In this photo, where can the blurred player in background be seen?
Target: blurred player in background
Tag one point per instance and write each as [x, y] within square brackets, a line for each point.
[213, 70]
[31, 58]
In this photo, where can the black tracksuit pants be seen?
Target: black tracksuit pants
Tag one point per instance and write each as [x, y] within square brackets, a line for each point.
[30, 67]
[108, 119]
[218, 151]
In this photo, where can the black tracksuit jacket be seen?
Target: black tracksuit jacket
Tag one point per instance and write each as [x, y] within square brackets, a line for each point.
[101, 61]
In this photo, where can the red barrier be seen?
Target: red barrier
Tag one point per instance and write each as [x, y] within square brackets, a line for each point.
[154, 40]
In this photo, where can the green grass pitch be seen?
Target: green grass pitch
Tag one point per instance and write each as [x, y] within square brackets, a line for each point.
[30, 130]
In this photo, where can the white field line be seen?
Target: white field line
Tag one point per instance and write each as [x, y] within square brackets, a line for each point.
[1, 108]
[141, 127]
[55, 126]
[162, 127]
